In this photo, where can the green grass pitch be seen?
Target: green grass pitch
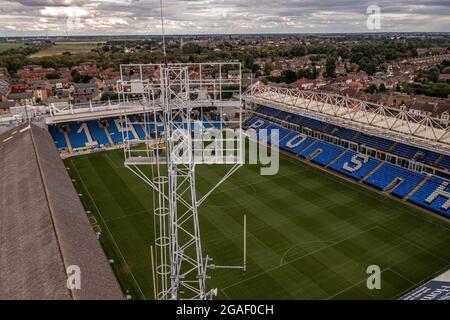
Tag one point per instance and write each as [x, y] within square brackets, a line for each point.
[311, 234]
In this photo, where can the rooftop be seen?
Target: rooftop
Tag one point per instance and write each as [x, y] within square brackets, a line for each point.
[44, 228]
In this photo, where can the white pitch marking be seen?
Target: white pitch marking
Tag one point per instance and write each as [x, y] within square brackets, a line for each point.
[25, 129]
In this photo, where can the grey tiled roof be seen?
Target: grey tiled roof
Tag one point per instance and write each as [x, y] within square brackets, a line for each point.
[44, 228]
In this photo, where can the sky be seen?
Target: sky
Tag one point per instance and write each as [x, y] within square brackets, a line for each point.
[109, 17]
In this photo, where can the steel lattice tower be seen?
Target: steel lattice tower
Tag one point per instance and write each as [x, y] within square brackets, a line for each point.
[168, 165]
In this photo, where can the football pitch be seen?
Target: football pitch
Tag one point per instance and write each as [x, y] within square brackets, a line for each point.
[311, 234]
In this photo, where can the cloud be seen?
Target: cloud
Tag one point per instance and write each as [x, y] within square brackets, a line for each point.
[222, 16]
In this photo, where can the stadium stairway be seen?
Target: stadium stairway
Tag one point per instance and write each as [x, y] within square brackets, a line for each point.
[98, 134]
[355, 165]
[337, 158]
[58, 137]
[321, 152]
[68, 143]
[78, 135]
[394, 179]
[433, 195]
[295, 142]
[416, 188]
[108, 136]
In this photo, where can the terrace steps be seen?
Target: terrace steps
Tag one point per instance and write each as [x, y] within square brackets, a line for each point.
[416, 188]
[111, 142]
[337, 158]
[69, 144]
[393, 147]
[371, 172]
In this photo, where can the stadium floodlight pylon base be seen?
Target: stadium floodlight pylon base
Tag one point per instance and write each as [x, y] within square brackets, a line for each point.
[165, 159]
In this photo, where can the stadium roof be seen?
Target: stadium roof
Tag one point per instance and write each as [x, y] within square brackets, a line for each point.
[44, 228]
[378, 120]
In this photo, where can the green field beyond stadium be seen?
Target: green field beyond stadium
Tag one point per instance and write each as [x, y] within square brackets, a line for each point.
[311, 234]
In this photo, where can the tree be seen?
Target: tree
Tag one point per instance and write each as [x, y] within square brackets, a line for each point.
[331, 66]
[255, 68]
[268, 68]
[289, 76]
[298, 51]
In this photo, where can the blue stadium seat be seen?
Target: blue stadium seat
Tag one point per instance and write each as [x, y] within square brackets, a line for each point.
[282, 132]
[428, 196]
[445, 162]
[267, 111]
[311, 123]
[58, 137]
[329, 152]
[355, 165]
[387, 173]
[405, 151]
[346, 134]
[97, 132]
[295, 142]
[430, 157]
[77, 140]
[258, 124]
[375, 142]
[138, 127]
[115, 134]
[206, 123]
[283, 115]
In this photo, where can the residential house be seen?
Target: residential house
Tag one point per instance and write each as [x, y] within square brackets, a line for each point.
[248, 78]
[22, 99]
[422, 109]
[34, 72]
[442, 112]
[85, 92]
[4, 74]
[275, 73]
[5, 89]
[88, 69]
[233, 74]
[5, 106]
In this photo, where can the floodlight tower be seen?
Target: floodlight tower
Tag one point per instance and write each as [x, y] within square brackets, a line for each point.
[167, 157]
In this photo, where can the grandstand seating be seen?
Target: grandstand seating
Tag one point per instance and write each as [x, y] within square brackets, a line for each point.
[206, 123]
[328, 152]
[311, 123]
[445, 162]
[394, 179]
[98, 133]
[295, 142]
[58, 137]
[346, 134]
[267, 111]
[355, 165]
[388, 173]
[428, 195]
[77, 139]
[404, 150]
[379, 143]
[432, 193]
[375, 142]
[430, 157]
[282, 132]
[137, 127]
[115, 134]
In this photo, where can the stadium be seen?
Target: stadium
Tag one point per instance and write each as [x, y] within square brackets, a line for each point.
[358, 185]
